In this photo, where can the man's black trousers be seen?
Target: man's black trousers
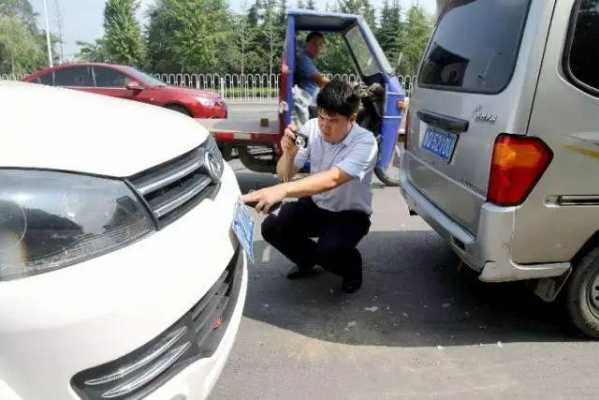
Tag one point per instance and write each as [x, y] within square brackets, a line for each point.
[338, 234]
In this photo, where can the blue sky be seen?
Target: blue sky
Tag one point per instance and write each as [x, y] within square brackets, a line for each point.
[82, 19]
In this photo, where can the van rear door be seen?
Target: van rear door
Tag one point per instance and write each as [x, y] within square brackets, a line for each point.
[476, 81]
[566, 117]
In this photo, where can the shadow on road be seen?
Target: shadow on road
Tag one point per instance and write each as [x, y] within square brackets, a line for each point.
[413, 295]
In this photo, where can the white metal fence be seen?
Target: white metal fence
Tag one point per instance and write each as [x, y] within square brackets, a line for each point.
[254, 88]
[12, 77]
[238, 88]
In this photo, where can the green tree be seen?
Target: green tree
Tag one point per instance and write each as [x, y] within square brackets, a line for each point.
[360, 7]
[23, 44]
[390, 30]
[93, 52]
[266, 26]
[282, 14]
[253, 17]
[189, 35]
[123, 41]
[20, 50]
[22, 11]
[414, 38]
[160, 54]
[236, 56]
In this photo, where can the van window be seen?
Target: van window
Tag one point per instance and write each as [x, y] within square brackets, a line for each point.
[583, 64]
[475, 45]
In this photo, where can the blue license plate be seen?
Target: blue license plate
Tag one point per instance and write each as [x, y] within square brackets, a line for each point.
[243, 226]
[441, 144]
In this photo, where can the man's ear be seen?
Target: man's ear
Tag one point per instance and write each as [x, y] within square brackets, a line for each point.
[353, 117]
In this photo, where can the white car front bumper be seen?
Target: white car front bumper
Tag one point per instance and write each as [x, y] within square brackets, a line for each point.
[57, 324]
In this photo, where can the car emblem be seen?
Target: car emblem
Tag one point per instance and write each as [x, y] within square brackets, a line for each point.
[212, 166]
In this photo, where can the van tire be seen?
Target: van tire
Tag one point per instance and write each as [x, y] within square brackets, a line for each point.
[583, 295]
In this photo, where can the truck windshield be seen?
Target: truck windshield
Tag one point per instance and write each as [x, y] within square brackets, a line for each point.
[364, 57]
[475, 45]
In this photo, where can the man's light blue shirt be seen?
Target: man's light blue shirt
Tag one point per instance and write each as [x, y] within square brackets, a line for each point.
[306, 70]
[356, 155]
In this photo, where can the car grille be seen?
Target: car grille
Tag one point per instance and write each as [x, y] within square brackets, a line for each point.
[173, 188]
[196, 335]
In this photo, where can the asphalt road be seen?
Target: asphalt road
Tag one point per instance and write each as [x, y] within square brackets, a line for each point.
[421, 327]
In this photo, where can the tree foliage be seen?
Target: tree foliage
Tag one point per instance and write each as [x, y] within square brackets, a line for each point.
[391, 30]
[20, 50]
[93, 52]
[22, 43]
[205, 36]
[188, 35]
[361, 7]
[123, 41]
[414, 38]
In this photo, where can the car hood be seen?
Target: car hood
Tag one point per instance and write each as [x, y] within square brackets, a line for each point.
[53, 128]
[179, 91]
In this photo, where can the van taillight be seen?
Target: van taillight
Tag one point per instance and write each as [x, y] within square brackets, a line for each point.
[517, 165]
[407, 131]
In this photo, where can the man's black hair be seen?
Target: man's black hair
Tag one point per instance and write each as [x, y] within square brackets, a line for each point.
[338, 97]
[313, 35]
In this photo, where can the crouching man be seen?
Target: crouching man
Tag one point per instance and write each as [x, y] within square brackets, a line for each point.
[335, 200]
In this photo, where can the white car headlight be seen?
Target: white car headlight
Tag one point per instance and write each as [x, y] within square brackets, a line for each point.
[50, 220]
[206, 101]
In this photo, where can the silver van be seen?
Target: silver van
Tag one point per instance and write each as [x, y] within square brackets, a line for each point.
[502, 152]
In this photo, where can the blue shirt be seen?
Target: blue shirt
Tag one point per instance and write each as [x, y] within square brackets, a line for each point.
[356, 156]
[306, 70]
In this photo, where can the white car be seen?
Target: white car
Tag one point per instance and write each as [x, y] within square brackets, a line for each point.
[120, 274]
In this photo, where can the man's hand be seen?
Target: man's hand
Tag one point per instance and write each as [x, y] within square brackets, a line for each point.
[288, 142]
[265, 198]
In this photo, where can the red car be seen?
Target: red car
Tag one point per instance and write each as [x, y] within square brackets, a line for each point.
[128, 83]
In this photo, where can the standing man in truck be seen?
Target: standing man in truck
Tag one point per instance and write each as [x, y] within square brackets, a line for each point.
[308, 76]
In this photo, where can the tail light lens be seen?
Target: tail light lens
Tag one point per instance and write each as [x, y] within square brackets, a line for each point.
[517, 165]
[407, 134]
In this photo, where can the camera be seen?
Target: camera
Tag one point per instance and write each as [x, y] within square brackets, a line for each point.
[301, 140]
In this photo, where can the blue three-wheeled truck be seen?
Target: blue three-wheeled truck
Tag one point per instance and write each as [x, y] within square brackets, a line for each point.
[257, 141]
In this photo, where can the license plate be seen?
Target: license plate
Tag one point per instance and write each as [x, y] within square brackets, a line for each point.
[441, 144]
[243, 226]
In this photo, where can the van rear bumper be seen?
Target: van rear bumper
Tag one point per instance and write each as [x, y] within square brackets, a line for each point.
[489, 251]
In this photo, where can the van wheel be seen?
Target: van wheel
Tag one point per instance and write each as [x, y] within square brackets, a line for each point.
[179, 109]
[583, 295]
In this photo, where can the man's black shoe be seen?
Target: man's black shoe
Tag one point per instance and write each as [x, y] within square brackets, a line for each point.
[299, 273]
